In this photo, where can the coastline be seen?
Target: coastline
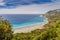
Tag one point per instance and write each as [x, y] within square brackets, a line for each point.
[30, 28]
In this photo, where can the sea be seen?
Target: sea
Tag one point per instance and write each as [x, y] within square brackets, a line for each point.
[22, 20]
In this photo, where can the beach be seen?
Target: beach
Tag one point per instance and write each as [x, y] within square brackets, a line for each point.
[30, 28]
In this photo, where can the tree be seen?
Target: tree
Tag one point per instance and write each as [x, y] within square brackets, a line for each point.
[5, 30]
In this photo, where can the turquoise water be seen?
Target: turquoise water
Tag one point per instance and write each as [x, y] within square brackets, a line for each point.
[20, 20]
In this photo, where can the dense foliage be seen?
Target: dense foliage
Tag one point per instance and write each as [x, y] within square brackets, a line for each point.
[5, 30]
[51, 31]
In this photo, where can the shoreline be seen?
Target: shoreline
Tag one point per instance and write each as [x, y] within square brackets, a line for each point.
[28, 25]
[30, 28]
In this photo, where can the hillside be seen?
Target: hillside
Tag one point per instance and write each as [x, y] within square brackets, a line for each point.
[53, 14]
[51, 32]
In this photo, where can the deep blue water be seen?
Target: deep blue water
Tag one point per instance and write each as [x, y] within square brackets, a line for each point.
[19, 20]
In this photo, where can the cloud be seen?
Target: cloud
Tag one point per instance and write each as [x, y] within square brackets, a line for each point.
[32, 9]
[2, 3]
[9, 3]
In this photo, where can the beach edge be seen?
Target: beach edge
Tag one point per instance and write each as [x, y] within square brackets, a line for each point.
[30, 28]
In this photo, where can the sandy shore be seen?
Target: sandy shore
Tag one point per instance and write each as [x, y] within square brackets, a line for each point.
[29, 28]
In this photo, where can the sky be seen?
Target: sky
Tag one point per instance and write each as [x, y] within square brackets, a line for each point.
[28, 6]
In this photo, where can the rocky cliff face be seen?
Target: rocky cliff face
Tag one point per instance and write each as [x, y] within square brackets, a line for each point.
[53, 15]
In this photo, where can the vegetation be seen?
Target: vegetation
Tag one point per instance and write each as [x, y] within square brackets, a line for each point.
[5, 30]
[51, 31]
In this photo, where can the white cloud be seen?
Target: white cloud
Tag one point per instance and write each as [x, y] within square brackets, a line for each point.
[1, 0]
[32, 9]
[2, 3]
